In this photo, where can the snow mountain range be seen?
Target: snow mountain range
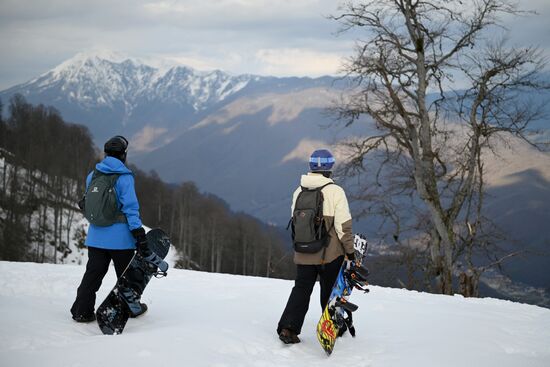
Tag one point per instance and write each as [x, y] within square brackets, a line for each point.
[95, 80]
[107, 91]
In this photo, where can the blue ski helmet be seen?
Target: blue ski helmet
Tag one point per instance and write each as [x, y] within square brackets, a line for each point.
[321, 160]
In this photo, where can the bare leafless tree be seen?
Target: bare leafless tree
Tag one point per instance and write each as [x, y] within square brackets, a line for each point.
[417, 67]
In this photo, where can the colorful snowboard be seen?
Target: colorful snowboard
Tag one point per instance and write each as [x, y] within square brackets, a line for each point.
[333, 320]
[123, 300]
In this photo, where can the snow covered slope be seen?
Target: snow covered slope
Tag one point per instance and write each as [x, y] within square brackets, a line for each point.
[203, 319]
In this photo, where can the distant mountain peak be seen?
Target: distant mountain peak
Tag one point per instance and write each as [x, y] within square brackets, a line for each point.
[107, 78]
[98, 54]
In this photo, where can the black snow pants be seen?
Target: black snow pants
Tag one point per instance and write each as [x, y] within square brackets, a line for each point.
[298, 303]
[96, 268]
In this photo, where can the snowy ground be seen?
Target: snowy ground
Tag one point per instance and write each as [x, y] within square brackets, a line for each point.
[201, 319]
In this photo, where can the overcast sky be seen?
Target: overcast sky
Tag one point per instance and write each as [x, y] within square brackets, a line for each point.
[266, 37]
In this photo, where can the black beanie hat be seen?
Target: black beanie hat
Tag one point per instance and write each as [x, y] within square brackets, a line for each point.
[116, 147]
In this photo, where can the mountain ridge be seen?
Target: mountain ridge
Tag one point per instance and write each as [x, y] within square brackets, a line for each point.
[113, 93]
[129, 79]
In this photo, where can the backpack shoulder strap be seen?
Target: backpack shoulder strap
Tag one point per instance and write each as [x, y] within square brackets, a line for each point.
[113, 178]
[95, 174]
[325, 185]
[316, 188]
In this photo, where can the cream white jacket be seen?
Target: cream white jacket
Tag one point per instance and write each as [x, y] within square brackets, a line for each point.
[337, 220]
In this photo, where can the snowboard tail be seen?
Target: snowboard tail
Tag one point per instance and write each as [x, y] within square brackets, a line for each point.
[110, 317]
[123, 301]
[327, 332]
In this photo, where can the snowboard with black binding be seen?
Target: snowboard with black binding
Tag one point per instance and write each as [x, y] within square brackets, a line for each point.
[337, 316]
[123, 301]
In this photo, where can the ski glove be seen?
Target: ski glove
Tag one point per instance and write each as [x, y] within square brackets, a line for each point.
[141, 241]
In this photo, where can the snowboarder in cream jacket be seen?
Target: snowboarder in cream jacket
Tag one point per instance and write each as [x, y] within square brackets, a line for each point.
[326, 262]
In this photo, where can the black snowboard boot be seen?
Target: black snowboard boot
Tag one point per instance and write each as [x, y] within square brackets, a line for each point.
[143, 310]
[288, 336]
[84, 318]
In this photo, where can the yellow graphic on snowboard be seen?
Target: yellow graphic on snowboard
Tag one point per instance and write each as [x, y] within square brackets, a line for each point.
[327, 332]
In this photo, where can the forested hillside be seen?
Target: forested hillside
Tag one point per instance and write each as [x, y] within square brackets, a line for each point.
[44, 162]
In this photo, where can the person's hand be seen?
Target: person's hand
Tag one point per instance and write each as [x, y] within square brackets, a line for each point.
[349, 262]
[141, 242]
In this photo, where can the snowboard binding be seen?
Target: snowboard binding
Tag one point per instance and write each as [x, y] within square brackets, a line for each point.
[158, 267]
[357, 278]
[345, 304]
[131, 299]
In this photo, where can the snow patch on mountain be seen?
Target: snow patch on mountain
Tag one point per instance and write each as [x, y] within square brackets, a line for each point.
[511, 156]
[304, 149]
[284, 107]
[149, 138]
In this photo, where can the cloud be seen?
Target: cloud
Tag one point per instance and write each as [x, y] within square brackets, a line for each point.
[195, 60]
[281, 38]
[295, 61]
[220, 34]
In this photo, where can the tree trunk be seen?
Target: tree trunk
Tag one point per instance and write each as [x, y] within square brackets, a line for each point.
[244, 255]
[268, 263]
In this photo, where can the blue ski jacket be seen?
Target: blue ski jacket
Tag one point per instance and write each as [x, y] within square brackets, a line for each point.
[118, 235]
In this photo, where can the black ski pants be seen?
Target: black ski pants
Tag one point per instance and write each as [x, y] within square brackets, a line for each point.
[298, 303]
[96, 268]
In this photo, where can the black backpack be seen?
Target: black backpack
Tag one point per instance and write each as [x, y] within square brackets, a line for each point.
[309, 233]
[100, 201]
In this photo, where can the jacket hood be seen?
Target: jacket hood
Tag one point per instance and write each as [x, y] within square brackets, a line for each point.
[112, 165]
[313, 180]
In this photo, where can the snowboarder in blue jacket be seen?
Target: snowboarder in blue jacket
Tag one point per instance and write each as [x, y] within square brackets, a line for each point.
[117, 241]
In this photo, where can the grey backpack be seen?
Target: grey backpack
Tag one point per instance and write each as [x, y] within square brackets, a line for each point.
[309, 233]
[100, 201]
